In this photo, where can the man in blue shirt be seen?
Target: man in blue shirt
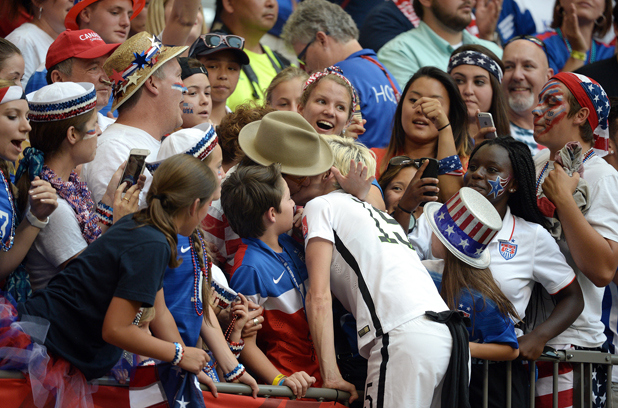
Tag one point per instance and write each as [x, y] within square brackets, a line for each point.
[322, 34]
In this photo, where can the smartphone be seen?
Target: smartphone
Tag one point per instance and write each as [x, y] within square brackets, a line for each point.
[358, 114]
[431, 171]
[486, 120]
[135, 167]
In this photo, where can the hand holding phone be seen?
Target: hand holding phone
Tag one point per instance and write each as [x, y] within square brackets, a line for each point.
[485, 121]
[134, 168]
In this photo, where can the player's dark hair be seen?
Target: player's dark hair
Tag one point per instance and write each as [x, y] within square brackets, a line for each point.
[522, 202]
[247, 194]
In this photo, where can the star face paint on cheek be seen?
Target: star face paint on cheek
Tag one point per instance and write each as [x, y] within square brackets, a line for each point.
[498, 186]
[187, 107]
[552, 108]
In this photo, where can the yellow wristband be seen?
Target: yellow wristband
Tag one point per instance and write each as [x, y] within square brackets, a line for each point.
[278, 379]
[578, 55]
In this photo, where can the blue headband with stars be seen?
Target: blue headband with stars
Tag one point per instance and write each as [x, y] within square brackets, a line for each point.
[475, 58]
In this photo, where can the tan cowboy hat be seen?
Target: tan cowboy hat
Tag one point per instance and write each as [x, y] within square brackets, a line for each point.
[286, 138]
[134, 62]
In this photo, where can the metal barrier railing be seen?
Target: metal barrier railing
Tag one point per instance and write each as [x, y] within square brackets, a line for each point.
[582, 372]
[582, 377]
[319, 394]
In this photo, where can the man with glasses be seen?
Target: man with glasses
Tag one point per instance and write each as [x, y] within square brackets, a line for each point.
[526, 71]
[441, 30]
[251, 19]
[323, 34]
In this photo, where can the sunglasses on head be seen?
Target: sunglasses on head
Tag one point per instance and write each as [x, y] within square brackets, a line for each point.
[213, 40]
[530, 38]
[404, 161]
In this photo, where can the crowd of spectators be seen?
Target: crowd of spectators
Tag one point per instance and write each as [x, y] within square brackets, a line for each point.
[367, 196]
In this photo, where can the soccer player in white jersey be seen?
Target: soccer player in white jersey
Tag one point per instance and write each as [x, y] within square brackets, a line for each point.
[361, 254]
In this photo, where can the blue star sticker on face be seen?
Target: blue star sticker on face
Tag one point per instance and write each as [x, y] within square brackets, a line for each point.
[497, 186]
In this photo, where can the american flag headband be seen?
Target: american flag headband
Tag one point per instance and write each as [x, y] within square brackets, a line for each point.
[333, 70]
[475, 58]
[11, 93]
[591, 95]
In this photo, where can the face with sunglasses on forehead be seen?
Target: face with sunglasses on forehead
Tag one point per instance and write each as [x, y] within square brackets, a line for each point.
[219, 54]
[402, 180]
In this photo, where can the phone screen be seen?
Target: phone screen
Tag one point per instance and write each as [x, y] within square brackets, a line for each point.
[135, 167]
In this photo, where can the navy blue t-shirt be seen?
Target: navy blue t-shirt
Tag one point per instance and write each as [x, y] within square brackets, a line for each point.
[128, 262]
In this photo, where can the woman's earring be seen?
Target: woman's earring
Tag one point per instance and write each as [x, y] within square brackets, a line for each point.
[512, 190]
[600, 21]
[40, 12]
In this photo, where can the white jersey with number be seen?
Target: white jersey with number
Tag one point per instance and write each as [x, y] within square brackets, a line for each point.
[375, 273]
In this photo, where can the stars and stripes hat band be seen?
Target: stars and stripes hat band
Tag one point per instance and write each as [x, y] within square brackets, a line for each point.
[475, 58]
[61, 100]
[465, 224]
[590, 95]
[11, 93]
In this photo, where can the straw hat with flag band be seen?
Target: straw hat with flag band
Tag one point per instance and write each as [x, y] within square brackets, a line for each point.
[70, 21]
[197, 142]
[286, 138]
[465, 224]
[134, 61]
[61, 100]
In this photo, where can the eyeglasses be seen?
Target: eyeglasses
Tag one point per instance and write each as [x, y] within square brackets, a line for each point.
[530, 38]
[213, 40]
[404, 161]
[301, 55]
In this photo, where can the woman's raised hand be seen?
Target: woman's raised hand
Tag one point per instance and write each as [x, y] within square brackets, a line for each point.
[433, 110]
[42, 198]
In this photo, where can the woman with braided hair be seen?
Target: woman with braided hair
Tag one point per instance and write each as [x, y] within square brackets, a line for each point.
[522, 253]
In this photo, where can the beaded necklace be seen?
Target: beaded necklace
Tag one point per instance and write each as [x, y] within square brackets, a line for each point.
[590, 153]
[76, 193]
[9, 243]
[592, 55]
[199, 274]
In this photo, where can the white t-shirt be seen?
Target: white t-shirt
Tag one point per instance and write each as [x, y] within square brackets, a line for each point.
[59, 241]
[375, 273]
[602, 179]
[113, 148]
[104, 121]
[522, 253]
[33, 44]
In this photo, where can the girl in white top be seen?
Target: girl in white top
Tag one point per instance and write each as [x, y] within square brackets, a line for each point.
[523, 252]
[61, 139]
[34, 39]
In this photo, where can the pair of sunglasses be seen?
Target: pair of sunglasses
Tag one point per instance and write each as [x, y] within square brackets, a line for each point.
[530, 38]
[404, 161]
[213, 40]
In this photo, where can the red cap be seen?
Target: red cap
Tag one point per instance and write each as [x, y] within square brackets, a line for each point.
[79, 44]
[70, 21]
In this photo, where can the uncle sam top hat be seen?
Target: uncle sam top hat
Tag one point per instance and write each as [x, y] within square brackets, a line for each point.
[465, 224]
